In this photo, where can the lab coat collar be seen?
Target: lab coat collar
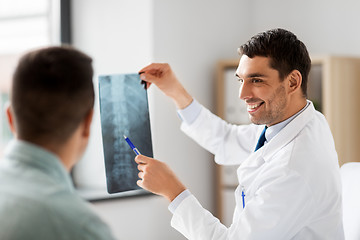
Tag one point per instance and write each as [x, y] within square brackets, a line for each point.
[288, 133]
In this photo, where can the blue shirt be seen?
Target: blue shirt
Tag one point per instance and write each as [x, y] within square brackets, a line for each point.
[38, 200]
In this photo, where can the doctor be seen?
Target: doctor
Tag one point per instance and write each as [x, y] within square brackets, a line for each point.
[289, 185]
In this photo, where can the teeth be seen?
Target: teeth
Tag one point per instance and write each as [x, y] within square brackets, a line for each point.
[253, 106]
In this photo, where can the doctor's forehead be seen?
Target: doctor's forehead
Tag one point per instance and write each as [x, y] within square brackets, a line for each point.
[249, 66]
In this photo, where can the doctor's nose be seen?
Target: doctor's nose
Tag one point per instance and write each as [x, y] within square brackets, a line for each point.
[244, 91]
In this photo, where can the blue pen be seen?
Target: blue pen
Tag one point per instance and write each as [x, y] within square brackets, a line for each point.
[243, 195]
[136, 151]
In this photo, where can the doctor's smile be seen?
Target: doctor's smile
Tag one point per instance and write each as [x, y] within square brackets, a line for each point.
[253, 107]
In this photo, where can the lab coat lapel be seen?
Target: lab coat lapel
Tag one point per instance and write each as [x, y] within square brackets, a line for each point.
[247, 170]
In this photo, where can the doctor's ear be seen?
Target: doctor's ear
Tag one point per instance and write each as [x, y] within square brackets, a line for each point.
[294, 81]
[10, 117]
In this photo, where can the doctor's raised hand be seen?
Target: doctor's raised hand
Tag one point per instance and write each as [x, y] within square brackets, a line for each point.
[156, 177]
[164, 78]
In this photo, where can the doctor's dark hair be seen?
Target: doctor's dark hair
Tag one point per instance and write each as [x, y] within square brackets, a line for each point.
[52, 93]
[285, 50]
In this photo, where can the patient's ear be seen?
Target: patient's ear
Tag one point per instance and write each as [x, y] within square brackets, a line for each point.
[87, 123]
[10, 118]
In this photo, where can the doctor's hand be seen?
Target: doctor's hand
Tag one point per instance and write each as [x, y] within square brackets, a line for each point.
[164, 78]
[156, 177]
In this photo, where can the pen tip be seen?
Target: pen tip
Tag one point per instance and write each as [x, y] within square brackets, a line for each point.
[125, 136]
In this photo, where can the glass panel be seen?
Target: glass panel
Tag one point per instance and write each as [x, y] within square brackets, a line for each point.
[16, 8]
[22, 34]
[24, 25]
[5, 133]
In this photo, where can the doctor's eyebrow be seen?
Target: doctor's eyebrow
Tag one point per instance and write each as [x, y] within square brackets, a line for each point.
[252, 75]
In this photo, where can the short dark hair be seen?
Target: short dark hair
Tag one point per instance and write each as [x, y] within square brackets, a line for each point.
[52, 92]
[285, 50]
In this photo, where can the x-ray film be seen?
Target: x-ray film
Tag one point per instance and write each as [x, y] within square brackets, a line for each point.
[123, 111]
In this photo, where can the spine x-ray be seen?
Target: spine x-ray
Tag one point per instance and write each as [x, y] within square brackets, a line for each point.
[123, 111]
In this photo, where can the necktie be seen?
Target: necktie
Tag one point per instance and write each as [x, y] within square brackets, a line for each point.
[261, 140]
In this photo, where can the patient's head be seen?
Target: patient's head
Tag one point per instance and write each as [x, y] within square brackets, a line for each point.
[52, 93]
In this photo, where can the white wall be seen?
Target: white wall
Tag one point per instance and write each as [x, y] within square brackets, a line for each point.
[325, 26]
[123, 36]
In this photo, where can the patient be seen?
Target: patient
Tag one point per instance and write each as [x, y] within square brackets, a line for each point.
[50, 114]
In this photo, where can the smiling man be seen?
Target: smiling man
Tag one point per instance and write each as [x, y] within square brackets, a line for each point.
[289, 183]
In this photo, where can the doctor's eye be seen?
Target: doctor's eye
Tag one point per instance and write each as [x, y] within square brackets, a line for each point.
[256, 80]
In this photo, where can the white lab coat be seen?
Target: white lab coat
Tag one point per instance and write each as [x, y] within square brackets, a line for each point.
[292, 184]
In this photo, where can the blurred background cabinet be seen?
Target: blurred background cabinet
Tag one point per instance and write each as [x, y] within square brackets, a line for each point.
[334, 88]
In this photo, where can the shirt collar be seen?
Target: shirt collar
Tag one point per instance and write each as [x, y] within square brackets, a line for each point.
[37, 157]
[275, 129]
